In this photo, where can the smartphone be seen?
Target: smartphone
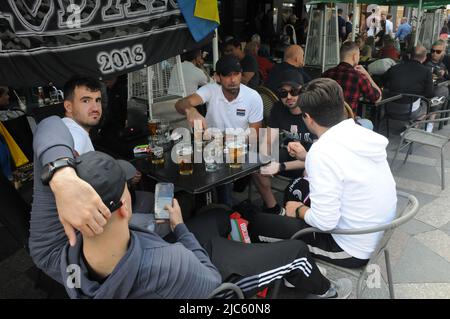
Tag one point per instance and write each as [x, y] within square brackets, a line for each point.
[163, 197]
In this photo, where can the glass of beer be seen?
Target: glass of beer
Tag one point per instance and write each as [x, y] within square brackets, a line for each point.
[235, 154]
[153, 125]
[157, 155]
[184, 159]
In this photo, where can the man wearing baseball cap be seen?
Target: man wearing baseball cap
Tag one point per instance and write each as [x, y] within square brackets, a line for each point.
[230, 104]
[286, 115]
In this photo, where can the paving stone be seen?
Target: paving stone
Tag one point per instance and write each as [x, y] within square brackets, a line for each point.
[422, 291]
[419, 264]
[438, 241]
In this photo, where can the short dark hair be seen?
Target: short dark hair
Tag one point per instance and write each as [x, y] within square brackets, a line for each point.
[234, 42]
[339, 10]
[76, 81]
[191, 55]
[347, 47]
[323, 100]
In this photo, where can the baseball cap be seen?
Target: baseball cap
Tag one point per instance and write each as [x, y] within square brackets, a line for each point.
[292, 78]
[106, 175]
[228, 64]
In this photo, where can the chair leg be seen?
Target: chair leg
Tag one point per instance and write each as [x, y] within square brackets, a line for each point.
[409, 151]
[389, 274]
[442, 169]
[396, 152]
[387, 127]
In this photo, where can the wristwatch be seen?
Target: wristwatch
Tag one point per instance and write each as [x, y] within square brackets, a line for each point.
[282, 167]
[50, 169]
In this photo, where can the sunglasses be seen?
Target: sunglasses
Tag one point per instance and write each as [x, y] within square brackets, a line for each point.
[436, 51]
[293, 92]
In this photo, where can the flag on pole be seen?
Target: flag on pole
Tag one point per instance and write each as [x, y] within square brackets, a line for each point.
[207, 9]
[199, 27]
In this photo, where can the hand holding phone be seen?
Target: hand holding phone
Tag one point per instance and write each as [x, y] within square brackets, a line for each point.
[175, 214]
[163, 197]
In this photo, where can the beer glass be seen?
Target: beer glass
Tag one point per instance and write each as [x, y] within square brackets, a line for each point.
[184, 159]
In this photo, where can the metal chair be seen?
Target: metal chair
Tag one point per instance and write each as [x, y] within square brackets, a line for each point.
[403, 112]
[402, 216]
[221, 291]
[269, 99]
[413, 134]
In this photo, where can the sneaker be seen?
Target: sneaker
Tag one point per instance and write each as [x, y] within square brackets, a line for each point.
[339, 289]
[277, 210]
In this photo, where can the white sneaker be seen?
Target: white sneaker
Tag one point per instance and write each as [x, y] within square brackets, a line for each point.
[339, 289]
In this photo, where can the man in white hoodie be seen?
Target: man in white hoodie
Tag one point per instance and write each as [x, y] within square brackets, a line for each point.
[351, 185]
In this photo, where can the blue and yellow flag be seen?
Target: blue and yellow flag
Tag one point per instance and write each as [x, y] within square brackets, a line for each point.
[200, 27]
[207, 9]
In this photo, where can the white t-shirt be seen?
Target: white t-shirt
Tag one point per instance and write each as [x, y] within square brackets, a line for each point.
[246, 108]
[193, 76]
[390, 28]
[82, 141]
[351, 185]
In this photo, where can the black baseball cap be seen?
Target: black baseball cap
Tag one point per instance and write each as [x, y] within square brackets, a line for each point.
[227, 64]
[106, 175]
[292, 78]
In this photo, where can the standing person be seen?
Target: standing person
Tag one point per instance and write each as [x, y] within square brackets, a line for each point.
[403, 31]
[250, 74]
[372, 24]
[293, 60]
[286, 116]
[346, 181]
[354, 79]
[341, 26]
[194, 74]
[349, 25]
[389, 24]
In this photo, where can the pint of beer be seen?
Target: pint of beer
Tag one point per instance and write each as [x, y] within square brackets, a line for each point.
[236, 154]
[157, 155]
[153, 126]
[184, 159]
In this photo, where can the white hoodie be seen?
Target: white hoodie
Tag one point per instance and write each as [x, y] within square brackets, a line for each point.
[351, 185]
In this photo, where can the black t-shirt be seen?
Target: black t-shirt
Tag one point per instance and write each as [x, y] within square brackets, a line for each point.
[249, 64]
[293, 125]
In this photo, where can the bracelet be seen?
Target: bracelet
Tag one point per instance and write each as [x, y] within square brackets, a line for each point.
[297, 211]
[282, 167]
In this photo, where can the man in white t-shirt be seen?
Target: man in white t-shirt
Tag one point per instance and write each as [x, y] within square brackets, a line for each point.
[193, 73]
[230, 104]
[83, 105]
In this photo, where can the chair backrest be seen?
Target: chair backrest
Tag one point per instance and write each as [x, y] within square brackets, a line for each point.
[220, 292]
[401, 217]
[14, 213]
[269, 99]
[402, 109]
[348, 111]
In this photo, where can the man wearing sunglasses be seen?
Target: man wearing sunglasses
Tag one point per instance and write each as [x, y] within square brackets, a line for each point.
[286, 115]
[434, 61]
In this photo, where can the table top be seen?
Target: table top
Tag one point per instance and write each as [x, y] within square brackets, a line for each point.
[199, 181]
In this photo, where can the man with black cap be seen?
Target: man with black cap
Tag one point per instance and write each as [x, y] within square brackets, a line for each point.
[230, 104]
[286, 115]
[123, 261]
